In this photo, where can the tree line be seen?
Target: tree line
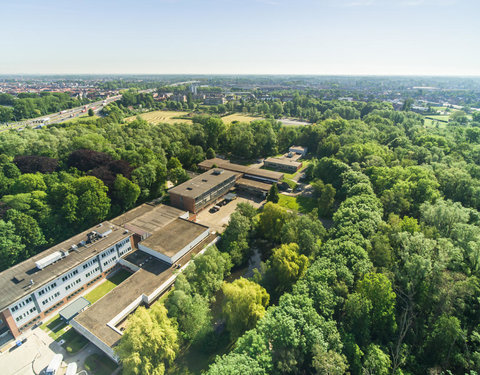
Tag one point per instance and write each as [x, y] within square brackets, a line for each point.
[30, 105]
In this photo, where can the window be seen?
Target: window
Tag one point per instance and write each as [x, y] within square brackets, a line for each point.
[90, 263]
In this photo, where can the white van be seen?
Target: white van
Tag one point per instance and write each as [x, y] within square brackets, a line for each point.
[54, 365]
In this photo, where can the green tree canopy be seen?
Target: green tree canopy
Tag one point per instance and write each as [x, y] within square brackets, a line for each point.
[149, 343]
[243, 305]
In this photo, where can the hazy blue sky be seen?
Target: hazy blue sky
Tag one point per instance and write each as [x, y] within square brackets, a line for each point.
[435, 37]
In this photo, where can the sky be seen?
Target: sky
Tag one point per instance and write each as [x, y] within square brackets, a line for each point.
[321, 37]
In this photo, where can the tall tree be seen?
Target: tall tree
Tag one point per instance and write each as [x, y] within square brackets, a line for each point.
[149, 343]
[243, 305]
[272, 195]
[93, 203]
[11, 246]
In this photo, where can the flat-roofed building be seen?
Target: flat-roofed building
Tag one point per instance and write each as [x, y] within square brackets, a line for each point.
[284, 164]
[198, 192]
[253, 187]
[174, 240]
[104, 322]
[246, 171]
[298, 150]
[39, 286]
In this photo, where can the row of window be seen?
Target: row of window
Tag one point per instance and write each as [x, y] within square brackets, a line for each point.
[25, 314]
[88, 274]
[123, 242]
[46, 289]
[108, 252]
[109, 261]
[21, 304]
[54, 307]
[71, 274]
[75, 293]
[126, 250]
[73, 284]
[90, 263]
[50, 298]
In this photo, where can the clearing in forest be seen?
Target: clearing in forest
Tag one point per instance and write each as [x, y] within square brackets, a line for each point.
[239, 117]
[158, 117]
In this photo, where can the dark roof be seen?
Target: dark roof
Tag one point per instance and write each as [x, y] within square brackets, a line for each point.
[284, 161]
[15, 282]
[254, 184]
[173, 237]
[202, 183]
[74, 308]
[252, 171]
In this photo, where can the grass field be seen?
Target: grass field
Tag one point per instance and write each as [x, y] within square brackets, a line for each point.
[82, 118]
[100, 365]
[439, 117]
[305, 164]
[55, 327]
[158, 117]
[74, 342]
[429, 123]
[107, 286]
[239, 117]
[299, 204]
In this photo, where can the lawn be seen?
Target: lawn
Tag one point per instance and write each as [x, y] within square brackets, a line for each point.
[439, 118]
[305, 164]
[107, 286]
[239, 117]
[81, 118]
[74, 342]
[99, 365]
[157, 117]
[429, 123]
[55, 327]
[299, 204]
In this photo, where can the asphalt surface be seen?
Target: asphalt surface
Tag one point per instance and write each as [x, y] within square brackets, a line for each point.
[66, 115]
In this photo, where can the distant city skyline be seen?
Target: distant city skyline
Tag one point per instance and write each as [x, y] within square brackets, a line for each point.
[304, 37]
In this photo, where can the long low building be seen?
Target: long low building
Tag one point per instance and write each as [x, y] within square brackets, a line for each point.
[104, 322]
[198, 192]
[41, 285]
[246, 171]
[283, 164]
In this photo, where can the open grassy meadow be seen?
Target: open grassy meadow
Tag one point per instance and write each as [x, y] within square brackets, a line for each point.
[158, 117]
[239, 117]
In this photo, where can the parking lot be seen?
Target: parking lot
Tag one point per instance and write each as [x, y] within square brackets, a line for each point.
[219, 220]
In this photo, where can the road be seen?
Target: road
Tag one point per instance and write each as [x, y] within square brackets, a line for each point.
[67, 114]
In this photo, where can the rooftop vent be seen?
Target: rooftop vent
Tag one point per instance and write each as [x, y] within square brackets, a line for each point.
[49, 259]
[103, 233]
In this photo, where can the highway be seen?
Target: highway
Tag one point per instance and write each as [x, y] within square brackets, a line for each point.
[62, 116]
[69, 114]
[66, 115]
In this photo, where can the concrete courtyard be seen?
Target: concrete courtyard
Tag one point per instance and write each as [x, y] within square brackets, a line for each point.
[219, 220]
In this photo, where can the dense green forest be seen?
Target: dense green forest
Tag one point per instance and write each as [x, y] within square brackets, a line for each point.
[391, 288]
